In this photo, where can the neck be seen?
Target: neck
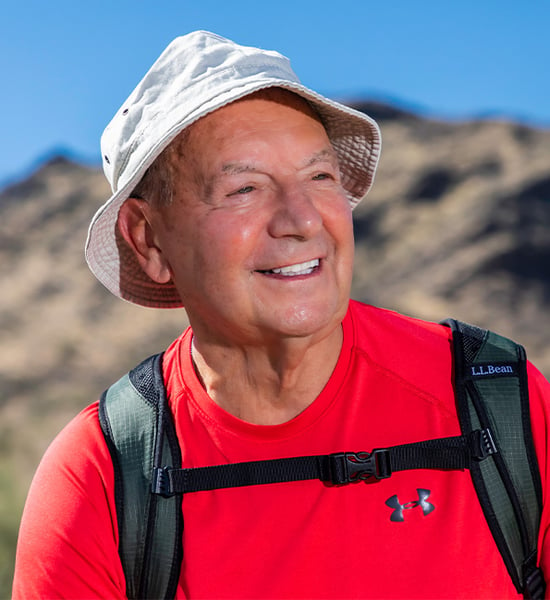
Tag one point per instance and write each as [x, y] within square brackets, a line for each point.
[267, 386]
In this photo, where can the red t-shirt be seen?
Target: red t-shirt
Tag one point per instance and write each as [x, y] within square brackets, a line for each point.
[392, 385]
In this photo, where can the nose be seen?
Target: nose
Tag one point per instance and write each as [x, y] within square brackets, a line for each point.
[295, 215]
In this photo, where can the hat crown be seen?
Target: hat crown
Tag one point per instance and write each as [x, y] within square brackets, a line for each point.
[194, 71]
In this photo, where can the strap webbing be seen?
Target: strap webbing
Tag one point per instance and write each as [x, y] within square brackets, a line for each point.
[336, 469]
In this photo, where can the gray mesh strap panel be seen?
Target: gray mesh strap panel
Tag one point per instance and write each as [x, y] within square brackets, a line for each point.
[139, 432]
[491, 388]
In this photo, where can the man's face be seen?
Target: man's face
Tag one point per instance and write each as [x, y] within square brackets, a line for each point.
[258, 237]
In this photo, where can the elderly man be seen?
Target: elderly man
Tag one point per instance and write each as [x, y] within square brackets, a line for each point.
[233, 187]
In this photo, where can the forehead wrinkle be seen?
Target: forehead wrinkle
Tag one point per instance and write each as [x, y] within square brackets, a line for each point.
[320, 156]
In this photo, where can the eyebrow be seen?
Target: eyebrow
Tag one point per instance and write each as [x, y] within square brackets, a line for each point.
[236, 168]
[323, 155]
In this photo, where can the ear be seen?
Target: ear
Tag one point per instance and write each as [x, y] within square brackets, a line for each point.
[134, 224]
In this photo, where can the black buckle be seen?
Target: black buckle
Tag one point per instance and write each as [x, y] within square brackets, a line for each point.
[352, 467]
[534, 586]
[484, 444]
[161, 482]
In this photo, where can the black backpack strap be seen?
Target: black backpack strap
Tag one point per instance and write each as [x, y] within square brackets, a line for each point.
[491, 391]
[140, 434]
[333, 469]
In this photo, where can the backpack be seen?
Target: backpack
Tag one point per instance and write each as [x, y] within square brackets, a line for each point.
[496, 445]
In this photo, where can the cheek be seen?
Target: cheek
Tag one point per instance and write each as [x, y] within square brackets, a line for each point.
[341, 230]
[225, 246]
[339, 223]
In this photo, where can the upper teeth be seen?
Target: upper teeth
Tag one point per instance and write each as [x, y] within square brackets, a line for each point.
[299, 269]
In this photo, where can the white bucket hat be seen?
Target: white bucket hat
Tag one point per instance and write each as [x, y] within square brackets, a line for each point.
[197, 74]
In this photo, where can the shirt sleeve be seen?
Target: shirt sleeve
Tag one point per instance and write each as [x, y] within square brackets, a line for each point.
[68, 539]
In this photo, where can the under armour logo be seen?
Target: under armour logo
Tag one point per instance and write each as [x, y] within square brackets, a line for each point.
[422, 501]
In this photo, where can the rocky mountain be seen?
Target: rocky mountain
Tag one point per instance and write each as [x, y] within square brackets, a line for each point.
[458, 224]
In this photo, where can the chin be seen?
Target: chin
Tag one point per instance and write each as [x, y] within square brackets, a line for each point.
[302, 322]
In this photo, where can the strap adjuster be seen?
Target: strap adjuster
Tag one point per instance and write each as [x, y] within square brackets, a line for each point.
[483, 443]
[160, 483]
[352, 467]
[534, 586]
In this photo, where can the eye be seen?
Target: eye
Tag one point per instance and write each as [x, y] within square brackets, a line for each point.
[321, 176]
[244, 190]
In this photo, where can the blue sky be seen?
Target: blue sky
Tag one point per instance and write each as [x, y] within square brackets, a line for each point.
[67, 66]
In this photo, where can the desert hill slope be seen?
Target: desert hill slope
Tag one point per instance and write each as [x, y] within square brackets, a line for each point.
[458, 224]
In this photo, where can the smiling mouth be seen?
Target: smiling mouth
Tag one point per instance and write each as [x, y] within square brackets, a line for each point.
[305, 268]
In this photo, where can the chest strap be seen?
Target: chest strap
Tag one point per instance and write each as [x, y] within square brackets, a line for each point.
[333, 469]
